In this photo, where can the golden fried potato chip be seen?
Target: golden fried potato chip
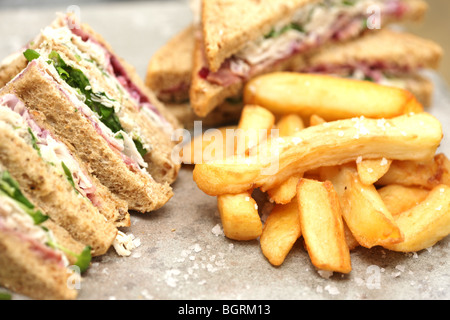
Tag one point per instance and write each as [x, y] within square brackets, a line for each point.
[280, 232]
[239, 216]
[363, 210]
[322, 226]
[425, 224]
[399, 198]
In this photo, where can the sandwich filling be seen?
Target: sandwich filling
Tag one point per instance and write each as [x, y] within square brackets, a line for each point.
[310, 27]
[21, 219]
[93, 103]
[54, 152]
[113, 66]
[55, 46]
[379, 72]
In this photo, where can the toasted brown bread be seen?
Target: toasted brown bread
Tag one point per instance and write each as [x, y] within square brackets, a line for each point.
[108, 204]
[169, 69]
[226, 113]
[400, 49]
[227, 25]
[161, 166]
[205, 96]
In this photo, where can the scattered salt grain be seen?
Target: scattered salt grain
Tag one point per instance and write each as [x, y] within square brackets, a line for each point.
[170, 277]
[332, 290]
[217, 230]
[325, 274]
[196, 247]
[383, 162]
[400, 267]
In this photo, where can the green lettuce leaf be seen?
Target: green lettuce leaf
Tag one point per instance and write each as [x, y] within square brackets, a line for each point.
[78, 80]
[9, 187]
[30, 54]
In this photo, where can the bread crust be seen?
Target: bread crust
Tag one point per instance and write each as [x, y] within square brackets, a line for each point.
[400, 49]
[170, 67]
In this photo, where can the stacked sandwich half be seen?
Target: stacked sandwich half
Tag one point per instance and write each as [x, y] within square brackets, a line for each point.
[232, 42]
[83, 142]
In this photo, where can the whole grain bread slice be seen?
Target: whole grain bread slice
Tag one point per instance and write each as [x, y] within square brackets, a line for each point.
[227, 25]
[399, 49]
[169, 69]
[108, 204]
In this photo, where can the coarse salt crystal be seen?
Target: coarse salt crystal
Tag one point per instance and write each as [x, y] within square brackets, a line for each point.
[332, 290]
[325, 273]
[217, 230]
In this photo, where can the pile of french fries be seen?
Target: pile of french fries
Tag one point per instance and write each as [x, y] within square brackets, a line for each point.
[352, 164]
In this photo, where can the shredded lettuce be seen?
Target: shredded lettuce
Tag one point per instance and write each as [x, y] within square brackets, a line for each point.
[83, 259]
[9, 187]
[30, 54]
[5, 296]
[276, 33]
[34, 142]
[78, 80]
[69, 176]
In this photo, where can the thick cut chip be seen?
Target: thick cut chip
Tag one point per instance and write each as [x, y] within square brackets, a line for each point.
[409, 137]
[425, 224]
[239, 216]
[399, 199]
[329, 97]
[363, 210]
[370, 171]
[281, 231]
[427, 174]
